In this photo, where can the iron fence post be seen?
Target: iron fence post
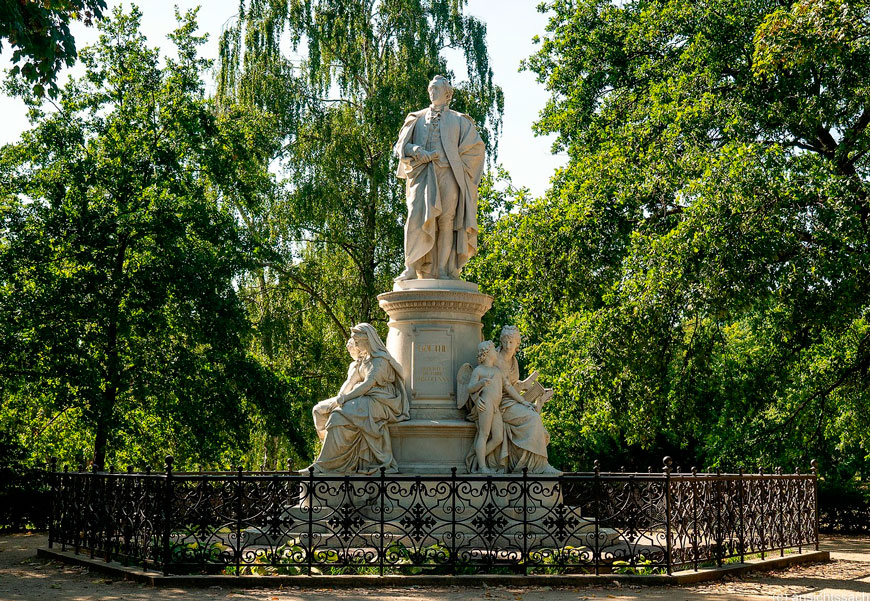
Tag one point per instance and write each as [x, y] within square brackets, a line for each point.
[275, 490]
[149, 510]
[167, 516]
[52, 486]
[719, 499]
[65, 485]
[107, 511]
[596, 487]
[797, 518]
[525, 485]
[93, 509]
[453, 520]
[382, 550]
[695, 518]
[79, 524]
[667, 472]
[741, 534]
[128, 504]
[762, 504]
[815, 469]
[238, 549]
[310, 554]
[779, 492]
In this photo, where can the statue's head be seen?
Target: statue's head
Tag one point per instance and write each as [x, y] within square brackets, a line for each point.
[486, 353]
[510, 339]
[366, 340]
[360, 341]
[440, 90]
[352, 349]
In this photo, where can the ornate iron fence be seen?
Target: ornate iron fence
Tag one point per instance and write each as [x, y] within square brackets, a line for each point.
[291, 523]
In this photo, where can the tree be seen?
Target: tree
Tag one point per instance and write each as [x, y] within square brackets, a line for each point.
[39, 32]
[697, 279]
[331, 239]
[118, 251]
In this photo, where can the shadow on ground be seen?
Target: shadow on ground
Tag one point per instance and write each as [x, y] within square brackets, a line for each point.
[24, 577]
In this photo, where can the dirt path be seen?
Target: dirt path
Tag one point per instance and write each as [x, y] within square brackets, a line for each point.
[847, 578]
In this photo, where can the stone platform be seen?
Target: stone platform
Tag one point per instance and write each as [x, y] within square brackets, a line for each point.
[435, 327]
[432, 446]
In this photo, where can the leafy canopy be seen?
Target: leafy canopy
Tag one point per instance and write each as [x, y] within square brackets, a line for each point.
[697, 280]
[40, 35]
[123, 337]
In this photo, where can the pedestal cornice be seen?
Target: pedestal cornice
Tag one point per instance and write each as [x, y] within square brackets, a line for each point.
[464, 306]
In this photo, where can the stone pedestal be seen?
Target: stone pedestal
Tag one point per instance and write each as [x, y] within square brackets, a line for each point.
[435, 327]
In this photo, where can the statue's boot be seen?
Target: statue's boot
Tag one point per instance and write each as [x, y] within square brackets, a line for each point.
[409, 274]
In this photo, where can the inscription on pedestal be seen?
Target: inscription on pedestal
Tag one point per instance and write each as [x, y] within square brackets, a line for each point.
[432, 363]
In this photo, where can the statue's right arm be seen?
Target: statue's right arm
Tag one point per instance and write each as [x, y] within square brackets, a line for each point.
[413, 150]
[514, 393]
[364, 386]
[352, 378]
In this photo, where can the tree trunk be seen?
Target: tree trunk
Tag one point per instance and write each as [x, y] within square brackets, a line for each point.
[368, 263]
[112, 372]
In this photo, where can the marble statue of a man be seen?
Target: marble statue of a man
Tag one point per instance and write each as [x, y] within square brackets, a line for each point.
[441, 158]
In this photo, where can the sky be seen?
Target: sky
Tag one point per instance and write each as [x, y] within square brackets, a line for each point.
[511, 24]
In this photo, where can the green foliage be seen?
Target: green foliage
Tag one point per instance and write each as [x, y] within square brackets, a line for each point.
[641, 565]
[24, 491]
[329, 238]
[123, 338]
[39, 33]
[697, 280]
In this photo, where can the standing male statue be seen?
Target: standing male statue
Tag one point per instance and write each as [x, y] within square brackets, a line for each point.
[441, 158]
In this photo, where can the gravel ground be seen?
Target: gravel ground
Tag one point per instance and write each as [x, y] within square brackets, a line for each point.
[846, 578]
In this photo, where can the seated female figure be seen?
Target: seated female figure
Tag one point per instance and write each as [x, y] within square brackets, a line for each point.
[357, 437]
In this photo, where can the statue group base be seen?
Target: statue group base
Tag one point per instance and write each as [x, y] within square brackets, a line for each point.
[435, 327]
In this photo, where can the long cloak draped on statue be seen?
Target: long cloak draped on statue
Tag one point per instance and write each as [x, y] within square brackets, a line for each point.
[464, 152]
[357, 437]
